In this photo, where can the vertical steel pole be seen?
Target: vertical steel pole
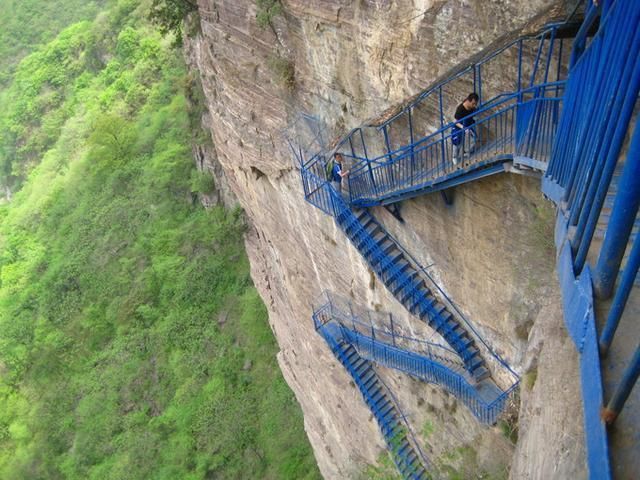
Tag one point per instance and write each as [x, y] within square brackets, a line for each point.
[411, 140]
[629, 379]
[621, 297]
[623, 215]
[393, 335]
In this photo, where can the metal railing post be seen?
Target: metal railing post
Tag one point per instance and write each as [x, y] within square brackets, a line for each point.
[388, 146]
[623, 215]
[412, 143]
[629, 379]
[621, 297]
[393, 335]
[519, 86]
[442, 123]
[366, 156]
[552, 38]
[532, 81]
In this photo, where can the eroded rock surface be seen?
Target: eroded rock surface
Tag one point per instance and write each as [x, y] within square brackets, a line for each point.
[352, 60]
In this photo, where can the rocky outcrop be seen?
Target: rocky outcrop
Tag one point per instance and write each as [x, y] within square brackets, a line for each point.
[349, 61]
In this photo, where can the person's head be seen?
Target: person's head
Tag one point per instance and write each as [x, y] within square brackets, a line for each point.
[338, 157]
[471, 101]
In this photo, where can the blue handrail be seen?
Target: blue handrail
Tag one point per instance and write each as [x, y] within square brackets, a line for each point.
[601, 94]
[388, 423]
[425, 368]
[455, 307]
[521, 127]
[577, 139]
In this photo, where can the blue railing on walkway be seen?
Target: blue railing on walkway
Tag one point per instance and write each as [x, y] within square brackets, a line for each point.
[581, 133]
[522, 124]
[548, 53]
[600, 100]
[486, 401]
[392, 161]
[405, 280]
[382, 326]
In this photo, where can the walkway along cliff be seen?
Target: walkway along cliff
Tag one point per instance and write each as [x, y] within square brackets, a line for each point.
[563, 111]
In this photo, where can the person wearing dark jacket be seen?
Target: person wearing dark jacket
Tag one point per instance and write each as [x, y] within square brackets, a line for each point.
[337, 173]
[464, 122]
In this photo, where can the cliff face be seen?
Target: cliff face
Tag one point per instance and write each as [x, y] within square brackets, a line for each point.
[351, 61]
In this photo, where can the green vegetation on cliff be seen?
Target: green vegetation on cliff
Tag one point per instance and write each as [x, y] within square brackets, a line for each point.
[27, 24]
[132, 342]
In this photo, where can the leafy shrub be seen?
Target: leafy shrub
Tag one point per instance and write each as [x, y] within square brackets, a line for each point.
[170, 15]
[266, 11]
[284, 69]
[202, 182]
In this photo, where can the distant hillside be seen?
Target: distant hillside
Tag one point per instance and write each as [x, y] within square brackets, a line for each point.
[133, 343]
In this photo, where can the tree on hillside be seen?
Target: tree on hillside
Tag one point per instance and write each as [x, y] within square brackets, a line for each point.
[170, 14]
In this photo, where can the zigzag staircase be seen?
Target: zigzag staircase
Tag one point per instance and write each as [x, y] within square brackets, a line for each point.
[380, 344]
[405, 452]
[573, 133]
[406, 282]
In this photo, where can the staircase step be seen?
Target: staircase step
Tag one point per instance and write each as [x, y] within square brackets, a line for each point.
[465, 341]
[395, 259]
[362, 214]
[422, 297]
[364, 370]
[377, 395]
[368, 223]
[351, 224]
[361, 242]
[481, 373]
[358, 363]
[472, 352]
[380, 403]
[373, 231]
[349, 353]
[380, 236]
[411, 277]
[384, 265]
[412, 287]
[401, 268]
[439, 308]
[384, 411]
[367, 246]
[475, 363]
[403, 448]
[390, 270]
[370, 380]
[387, 427]
[424, 309]
[389, 248]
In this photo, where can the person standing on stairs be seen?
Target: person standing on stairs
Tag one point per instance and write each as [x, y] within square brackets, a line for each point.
[464, 122]
[337, 172]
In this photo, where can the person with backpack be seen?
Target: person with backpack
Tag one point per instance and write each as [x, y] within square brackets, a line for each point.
[464, 122]
[335, 172]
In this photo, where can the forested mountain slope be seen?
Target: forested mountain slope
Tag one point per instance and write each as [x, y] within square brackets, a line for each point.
[132, 341]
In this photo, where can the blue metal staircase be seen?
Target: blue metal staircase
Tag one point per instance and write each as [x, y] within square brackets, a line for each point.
[435, 365]
[522, 125]
[406, 282]
[404, 450]
[571, 131]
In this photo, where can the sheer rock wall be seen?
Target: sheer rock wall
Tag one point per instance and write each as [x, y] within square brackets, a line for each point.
[352, 60]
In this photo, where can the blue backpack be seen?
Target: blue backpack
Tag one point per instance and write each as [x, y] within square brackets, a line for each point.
[458, 135]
